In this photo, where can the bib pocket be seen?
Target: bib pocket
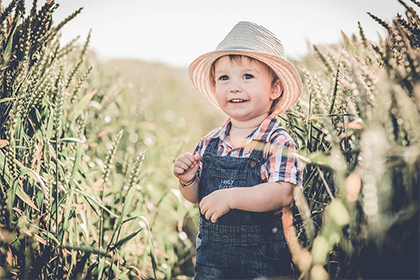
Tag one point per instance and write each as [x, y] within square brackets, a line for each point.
[226, 178]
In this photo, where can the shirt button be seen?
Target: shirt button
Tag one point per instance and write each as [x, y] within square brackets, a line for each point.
[207, 159]
[274, 230]
[252, 164]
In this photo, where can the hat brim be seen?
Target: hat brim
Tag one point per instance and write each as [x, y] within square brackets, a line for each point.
[199, 73]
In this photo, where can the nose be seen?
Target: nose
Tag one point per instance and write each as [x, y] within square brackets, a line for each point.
[235, 87]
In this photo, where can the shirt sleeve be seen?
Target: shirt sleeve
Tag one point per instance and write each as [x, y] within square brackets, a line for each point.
[199, 149]
[282, 163]
[203, 143]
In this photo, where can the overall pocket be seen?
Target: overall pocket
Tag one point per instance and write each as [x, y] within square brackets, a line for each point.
[275, 250]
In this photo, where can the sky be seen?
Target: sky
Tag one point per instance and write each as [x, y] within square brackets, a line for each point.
[176, 32]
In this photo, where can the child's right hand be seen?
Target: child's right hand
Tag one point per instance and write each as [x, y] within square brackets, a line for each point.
[186, 167]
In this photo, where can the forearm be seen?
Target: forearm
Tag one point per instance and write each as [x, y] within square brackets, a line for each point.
[190, 192]
[261, 198]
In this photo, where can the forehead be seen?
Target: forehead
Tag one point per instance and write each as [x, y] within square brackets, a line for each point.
[242, 61]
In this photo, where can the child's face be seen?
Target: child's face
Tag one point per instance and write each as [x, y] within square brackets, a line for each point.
[244, 89]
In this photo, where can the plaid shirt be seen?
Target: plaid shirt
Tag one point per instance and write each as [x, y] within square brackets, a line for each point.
[281, 164]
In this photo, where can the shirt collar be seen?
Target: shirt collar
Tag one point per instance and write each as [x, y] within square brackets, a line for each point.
[265, 129]
[261, 134]
[224, 130]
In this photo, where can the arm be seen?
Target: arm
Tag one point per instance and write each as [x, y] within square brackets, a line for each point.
[263, 197]
[284, 172]
[260, 198]
[190, 192]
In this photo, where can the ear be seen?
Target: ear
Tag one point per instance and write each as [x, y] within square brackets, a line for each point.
[276, 90]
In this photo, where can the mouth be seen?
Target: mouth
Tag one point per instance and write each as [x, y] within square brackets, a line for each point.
[237, 100]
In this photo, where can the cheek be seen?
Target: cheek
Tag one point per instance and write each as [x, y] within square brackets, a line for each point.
[219, 90]
[219, 95]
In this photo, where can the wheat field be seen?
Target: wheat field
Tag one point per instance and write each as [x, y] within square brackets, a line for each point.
[87, 147]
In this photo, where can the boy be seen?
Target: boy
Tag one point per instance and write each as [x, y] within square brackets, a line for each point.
[243, 173]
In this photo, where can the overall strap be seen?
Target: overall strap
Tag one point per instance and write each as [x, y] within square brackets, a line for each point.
[259, 150]
[261, 147]
[213, 146]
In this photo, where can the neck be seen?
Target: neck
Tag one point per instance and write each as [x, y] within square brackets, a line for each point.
[240, 130]
[248, 124]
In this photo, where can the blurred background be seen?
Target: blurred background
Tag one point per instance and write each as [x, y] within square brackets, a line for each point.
[91, 123]
[176, 32]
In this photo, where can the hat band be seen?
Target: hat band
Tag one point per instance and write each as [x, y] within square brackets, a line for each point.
[236, 48]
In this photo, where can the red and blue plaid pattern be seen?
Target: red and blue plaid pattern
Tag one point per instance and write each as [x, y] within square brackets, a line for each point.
[280, 151]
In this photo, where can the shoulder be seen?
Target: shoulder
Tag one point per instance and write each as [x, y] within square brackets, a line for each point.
[280, 135]
[215, 133]
[203, 143]
[280, 140]
[218, 132]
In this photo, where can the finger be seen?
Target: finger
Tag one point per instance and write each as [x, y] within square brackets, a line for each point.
[182, 165]
[214, 218]
[205, 211]
[203, 202]
[189, 159]
[184, 162]
[203, 208]
[179, 170]
[197, 157]
[208, 215]
[189, 164]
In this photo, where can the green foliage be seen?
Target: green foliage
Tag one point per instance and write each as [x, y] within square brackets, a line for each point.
[87, 146]
[139, 98]
[54, 221]
[361, 143]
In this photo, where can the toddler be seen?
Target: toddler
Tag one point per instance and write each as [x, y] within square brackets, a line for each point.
[243, 173]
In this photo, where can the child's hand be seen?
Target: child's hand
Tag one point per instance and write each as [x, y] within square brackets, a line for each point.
[215, 205]
[186, 167]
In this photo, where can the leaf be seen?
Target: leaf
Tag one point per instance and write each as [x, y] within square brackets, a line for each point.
[349, 44]
[49, 235]
[40, 239]
[8, 51]
[126, 204]
[320, 250]
[67, 212]
[50, 125]
[25, 198]
[6, 175]
[334, 93]
[101, 267]
[123, 212]
[19, 190]
[7, 99]
[152, 254]
[70, 140]
[96, 202]
[123, 241]
[317, 158]
[81, 263]
[84, 101]
[338, 212]
[86, 249]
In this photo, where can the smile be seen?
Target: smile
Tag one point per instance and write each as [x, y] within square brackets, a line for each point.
[237, 100]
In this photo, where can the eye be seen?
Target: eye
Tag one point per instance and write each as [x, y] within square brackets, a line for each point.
[248, 76]
[223, 78]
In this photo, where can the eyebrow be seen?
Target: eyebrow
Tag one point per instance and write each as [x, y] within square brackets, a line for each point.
[244, 70]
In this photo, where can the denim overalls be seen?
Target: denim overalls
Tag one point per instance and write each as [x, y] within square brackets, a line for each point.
[241, 244]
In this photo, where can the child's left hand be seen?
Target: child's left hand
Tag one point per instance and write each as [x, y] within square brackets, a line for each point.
[215, 205]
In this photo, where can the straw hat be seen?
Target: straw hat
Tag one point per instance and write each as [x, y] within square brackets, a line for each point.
[253, 40]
